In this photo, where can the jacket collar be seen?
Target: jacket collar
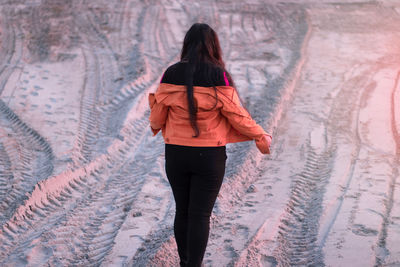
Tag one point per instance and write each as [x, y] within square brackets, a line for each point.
[165, 89]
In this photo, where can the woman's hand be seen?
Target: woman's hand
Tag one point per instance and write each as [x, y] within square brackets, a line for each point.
[152, 100]
[263, 144]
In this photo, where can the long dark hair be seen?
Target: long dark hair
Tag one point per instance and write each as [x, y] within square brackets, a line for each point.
[201, 45]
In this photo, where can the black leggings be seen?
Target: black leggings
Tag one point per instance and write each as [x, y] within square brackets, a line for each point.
[195, 175]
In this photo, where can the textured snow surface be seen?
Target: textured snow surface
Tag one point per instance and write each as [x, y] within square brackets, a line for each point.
[82, 180]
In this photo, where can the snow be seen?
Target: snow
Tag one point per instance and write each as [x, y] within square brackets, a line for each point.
[82, 179]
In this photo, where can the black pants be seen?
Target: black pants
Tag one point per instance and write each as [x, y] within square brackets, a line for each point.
[195, 175]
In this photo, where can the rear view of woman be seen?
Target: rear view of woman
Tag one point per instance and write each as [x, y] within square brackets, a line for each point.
[198, 110]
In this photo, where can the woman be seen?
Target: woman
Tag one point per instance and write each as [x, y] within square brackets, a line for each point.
[199, 111]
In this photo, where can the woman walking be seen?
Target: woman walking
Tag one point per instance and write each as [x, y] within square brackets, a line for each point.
[198, 110]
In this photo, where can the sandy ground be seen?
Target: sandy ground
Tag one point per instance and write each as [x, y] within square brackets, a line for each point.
[82, 181]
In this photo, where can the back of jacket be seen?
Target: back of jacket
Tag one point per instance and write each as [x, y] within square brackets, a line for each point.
[220, 117]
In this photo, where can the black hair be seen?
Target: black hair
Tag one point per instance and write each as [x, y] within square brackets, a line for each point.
[201, 45]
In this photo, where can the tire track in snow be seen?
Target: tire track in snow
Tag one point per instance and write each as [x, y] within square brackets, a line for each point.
[94, 90]
[257, 250]
[242, 169]
[109, 103]
[111, 203]
[389, 201]
[11, 45]
[299, 227]
[301, 236]
[72, 198]
[67, 206]
[30, 157]
[28, 154]
[59, 205]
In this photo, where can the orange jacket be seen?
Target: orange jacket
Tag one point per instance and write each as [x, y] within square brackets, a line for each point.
[227, 122]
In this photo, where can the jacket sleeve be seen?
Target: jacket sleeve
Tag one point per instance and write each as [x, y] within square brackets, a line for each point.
[242, 121]
[158, 114]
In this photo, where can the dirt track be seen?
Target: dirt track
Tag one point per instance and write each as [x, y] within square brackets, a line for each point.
[82, 180]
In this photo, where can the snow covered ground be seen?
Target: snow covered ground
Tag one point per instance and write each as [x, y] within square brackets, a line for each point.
[82, 180]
